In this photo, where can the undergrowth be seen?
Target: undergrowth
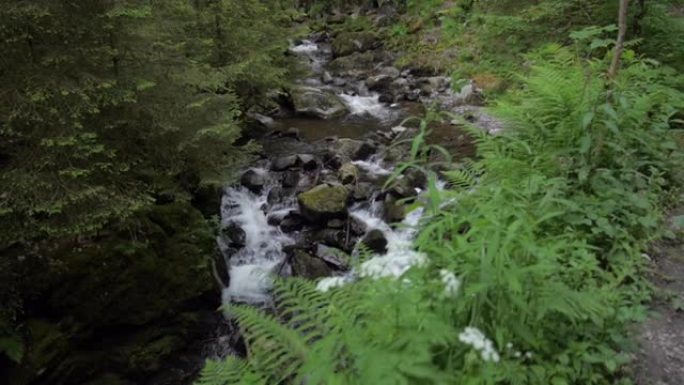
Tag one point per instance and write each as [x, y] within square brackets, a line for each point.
[534, 252]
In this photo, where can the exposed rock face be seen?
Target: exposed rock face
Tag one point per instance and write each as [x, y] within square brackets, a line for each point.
[324, 202]
[317, 103]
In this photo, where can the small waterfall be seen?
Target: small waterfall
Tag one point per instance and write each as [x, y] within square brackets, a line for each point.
[400, 256]
[373, 167]
[250, 267]
[315, 54]
[367, 105]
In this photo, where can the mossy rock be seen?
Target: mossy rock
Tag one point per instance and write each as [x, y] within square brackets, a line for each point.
[307, 266]
[324, 202]
[346, 43]
[317, 103]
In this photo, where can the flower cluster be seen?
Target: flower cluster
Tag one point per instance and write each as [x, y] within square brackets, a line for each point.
[474, 337]
[450, 281]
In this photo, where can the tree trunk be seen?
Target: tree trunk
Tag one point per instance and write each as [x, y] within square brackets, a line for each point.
[620, 45]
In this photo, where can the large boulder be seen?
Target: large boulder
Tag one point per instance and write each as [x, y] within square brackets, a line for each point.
[317, 103]
[324, 202]
[346, 43]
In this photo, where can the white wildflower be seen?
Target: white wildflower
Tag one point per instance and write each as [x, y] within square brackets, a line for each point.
[451, 283]
[474, 337]
[326, 284]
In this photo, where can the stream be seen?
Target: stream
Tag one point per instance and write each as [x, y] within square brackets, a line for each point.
[336, 140]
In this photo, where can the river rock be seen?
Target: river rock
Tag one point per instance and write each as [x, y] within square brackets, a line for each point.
[253, 180]
[392, 210]
[349, 173]
[469, 95]
[375, 241]
[334, 238]
[402, 188]
[379, 83]
[335, 224]
[355, 149]
[324, 202]
[333, 256]
[386, 98]
[327, 77]
[318, 103]
[346, 43]
[275, 195]
[433, 84]
[283, 163]
[307, 266]
[357, 226]
[307, 161]
[416, 178]
[354, 63]
[234, 235]
[362, 191]
[412, 95]
[291, 223]
[339, 82]
[290, 178]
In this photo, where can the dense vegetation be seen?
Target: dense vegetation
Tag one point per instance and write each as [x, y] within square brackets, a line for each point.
[535, 252]
[114, 117]
[120, 120]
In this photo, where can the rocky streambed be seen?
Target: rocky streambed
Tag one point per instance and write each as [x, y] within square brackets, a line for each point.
[320, 189]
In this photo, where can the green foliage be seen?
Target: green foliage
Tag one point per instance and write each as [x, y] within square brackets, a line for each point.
[542, 235]
[108, 104]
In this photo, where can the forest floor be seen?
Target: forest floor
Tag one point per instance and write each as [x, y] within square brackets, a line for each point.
[661, 357]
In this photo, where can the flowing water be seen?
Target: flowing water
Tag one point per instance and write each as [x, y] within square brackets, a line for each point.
[252, 267]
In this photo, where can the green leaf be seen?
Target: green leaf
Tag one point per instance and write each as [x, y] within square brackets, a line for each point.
[13, 347]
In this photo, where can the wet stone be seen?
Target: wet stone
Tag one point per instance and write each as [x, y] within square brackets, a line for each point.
[333, 256]
[335, 223]
[234, 235]
[253, 181]
[375, 241]
[290, 178]
[307, 266]
[283, 163]
[308, 162]
[291, 223]
[348, 173]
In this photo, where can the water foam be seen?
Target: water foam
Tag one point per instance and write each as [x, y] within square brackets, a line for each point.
[366, 105]
[250, 268]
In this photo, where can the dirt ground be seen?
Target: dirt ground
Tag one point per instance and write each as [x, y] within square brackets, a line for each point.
[661, 357]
